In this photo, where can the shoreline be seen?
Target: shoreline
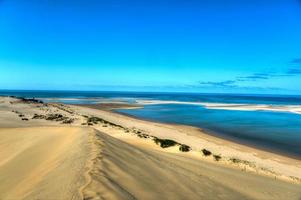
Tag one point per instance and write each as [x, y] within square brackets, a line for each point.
[197, 139]
[217, 135]
[120, 157]
[201, 130]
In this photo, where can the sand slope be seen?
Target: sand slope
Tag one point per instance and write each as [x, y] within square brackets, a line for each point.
[125, 171]
[42, 163]
[277, 165]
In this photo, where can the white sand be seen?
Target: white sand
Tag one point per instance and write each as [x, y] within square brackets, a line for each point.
[230, 106]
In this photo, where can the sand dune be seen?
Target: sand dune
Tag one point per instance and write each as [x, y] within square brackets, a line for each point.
[57, 163]
[129, 171]
[42, 163]
[281, 166]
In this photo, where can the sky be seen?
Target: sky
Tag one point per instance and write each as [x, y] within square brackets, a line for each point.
[228, 46]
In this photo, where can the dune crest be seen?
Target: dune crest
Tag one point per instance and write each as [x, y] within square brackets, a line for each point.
[134, 171]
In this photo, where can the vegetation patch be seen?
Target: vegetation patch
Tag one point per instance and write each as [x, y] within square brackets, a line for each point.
[217, 157]
[68, 121]
[235, 160]
[36, 116]
[239, 161]
[206, 152]
[63, 108]
[96, 120]
[184, 148]
[54, 117]
[142, 135]
[165, 143]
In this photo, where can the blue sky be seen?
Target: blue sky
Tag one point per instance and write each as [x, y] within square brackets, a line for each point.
[239, 46]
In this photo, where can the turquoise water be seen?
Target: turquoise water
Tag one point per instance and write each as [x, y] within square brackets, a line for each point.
[274, 131]
[89, 96]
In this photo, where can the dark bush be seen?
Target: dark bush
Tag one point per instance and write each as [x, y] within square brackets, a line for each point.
[24, 119]
[68, 121]
[36, 116]
[56, 117]
[235, 160]
[206, 152]
[142, 135]
[94, 120]
[164, 143]
[217, 157]
[184, 148]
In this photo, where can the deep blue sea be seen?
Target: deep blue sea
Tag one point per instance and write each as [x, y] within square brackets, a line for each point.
[274, 131]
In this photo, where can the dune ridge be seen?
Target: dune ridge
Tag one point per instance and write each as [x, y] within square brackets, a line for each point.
[135, 171]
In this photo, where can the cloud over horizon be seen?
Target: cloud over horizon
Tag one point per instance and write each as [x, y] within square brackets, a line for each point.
[291, 71]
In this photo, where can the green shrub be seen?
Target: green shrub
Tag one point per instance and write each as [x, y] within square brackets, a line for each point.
[164, 143]
[142, 135]
[36, 116]
[217, 157]
[55, 117]
[184, 148]
[237, 161]
[206, 152]
[94, 120]
[68, 121]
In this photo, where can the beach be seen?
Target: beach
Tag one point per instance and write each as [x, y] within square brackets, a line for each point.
[59, 151]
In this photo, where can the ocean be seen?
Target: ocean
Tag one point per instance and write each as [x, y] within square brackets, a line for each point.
[236, 117]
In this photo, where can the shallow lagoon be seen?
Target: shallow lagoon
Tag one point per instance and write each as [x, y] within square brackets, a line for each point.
[275, 131]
